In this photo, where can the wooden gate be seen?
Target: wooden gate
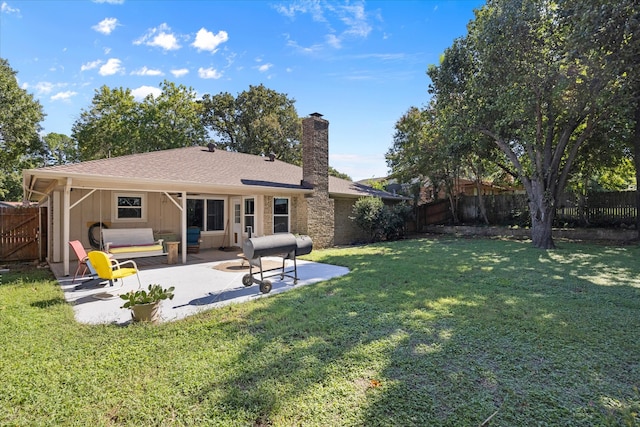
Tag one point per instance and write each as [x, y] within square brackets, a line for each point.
[20, 234]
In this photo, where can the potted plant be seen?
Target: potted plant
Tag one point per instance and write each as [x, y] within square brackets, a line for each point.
[145, 304]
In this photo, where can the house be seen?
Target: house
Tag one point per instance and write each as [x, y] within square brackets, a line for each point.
[223, 193]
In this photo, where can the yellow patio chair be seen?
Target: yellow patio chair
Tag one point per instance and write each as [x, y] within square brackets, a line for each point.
[110, 269]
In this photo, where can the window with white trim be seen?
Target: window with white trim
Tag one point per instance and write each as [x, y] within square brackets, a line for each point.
[249, 215]
[280, 215]
[130, 207]
[206, 214]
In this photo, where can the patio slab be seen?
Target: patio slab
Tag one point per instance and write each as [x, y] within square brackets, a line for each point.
[199, 286]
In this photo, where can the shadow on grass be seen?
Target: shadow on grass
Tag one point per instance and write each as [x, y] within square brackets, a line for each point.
[444, 332]
[49, 303]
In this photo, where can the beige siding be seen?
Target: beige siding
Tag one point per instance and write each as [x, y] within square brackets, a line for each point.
[161, 214]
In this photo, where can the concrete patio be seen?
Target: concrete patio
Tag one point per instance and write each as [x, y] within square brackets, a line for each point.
[210, 279]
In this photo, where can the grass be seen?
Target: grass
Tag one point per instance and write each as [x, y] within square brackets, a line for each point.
[441, 332]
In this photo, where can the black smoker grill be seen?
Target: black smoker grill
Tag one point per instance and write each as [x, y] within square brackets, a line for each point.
[286, 246]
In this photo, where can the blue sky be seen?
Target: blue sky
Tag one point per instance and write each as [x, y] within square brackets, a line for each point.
[360, 64]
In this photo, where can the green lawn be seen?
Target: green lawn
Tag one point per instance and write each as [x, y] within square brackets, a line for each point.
[440, 332]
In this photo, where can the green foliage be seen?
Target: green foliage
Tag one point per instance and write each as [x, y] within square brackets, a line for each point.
[60, 149]
[117, 125]
[540, 81]
[338, 174]
[378, 184]
[20, 144]
[379, 221]
[154, 293]
[366, 214]
[258, 121]
[428, 332]
[173, 119]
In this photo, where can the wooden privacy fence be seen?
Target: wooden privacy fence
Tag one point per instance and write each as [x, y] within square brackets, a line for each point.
[438, 212]
[22, 234]
[602, 209]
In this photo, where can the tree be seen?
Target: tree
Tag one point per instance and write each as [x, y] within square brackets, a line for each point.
[20, 144]
[116, 124]
[60, 149]
[171, 120]
[537, 78]
[421, 151]
[334, 172]
[111, 127]
[257, 121]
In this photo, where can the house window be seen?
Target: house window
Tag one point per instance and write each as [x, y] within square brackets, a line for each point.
[206, 214]
[280, 215]
[130, 207]
[249, 215]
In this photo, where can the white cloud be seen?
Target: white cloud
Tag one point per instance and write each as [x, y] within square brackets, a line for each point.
[106, 26]
[313, 8]
[109, 1]
[63, 96]
[356, 20]
[5, 8]
[209, 73]
[144, 71]
[44, 87]
[180, 72]
[91, 65]
[112, 67]
[161, 37]
[264, 67]
[143, 91]
[305, 50]
[341, 22]
[206, 40]
[333, 41]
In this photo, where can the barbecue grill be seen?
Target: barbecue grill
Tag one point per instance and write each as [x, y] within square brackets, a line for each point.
[284, 245]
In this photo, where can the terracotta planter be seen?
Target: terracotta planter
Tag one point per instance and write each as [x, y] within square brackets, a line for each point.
[146, 312]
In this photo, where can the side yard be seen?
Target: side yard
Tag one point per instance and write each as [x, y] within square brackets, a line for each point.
[436, 331]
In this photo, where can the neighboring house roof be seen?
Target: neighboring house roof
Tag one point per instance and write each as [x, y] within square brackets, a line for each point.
[195, 169]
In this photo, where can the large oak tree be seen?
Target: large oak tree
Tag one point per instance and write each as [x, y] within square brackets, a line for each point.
[20, 144]
[539, 78]
[257, 121]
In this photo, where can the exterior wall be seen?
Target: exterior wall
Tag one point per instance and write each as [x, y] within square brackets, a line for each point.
[346, 230]
[267, 216]
[297, 219]
[162, 215]
[321, 220]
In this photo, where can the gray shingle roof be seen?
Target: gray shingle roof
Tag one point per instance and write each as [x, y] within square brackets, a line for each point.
[197, 166]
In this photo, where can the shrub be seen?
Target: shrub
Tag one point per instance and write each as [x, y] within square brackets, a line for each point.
[379, 221]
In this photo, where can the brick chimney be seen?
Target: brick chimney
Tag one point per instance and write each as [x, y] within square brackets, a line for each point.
[319, 209]
[315, 152]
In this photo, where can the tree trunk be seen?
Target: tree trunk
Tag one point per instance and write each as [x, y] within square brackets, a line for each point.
[481, 205]
[542, 212]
